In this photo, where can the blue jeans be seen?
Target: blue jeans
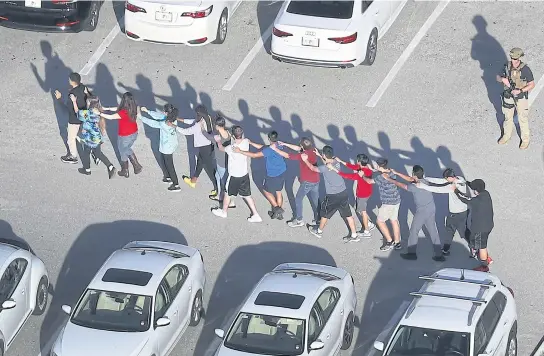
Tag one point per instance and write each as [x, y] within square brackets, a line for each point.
[220, 178]
[312, 191]
[124, 143]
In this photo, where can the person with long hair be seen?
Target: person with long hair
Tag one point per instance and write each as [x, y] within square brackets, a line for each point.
[126, 113]
[166, 122]
[93, 129]
[205, 147]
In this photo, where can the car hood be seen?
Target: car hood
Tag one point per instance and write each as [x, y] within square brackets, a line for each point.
[80, 341]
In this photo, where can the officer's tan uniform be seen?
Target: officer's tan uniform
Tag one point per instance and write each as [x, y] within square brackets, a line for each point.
[519, 103]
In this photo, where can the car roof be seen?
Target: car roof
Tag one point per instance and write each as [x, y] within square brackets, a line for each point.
[153, 262]
[459, 303]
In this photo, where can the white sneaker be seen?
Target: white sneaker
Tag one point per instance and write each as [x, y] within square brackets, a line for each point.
[219, 212]
[255, 219]
[365, 234]
[371, 226]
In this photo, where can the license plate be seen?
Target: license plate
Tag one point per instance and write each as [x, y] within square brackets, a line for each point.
[310, 41]
[33, 3]
[163, 16]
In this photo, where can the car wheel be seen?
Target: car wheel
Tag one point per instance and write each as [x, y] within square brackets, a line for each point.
[222, 28]
[94, 13]
[371, 48]
[347, 337]
[42, 295]
[196, 309]
[512, 346]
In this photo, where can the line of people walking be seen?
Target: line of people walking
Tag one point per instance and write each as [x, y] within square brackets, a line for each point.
[224, 155]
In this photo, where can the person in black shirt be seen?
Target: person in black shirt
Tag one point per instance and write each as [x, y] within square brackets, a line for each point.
[79, 92]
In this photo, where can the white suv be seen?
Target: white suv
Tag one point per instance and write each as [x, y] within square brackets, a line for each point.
[457, 313]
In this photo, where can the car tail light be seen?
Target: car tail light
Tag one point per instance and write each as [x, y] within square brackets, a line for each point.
[3, 18]
[280, 33]
[511, 291]
[198, 14]
[344, 40]
[198, 41]
[67, 24]
[133, 8]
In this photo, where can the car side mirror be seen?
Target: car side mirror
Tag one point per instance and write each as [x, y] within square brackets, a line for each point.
[67, 309]
[162, 322]
[8, 304]
[220, 333]
[378, 345]
[317, 345]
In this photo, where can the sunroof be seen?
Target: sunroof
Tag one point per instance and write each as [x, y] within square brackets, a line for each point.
[280, 300]
[127, 276]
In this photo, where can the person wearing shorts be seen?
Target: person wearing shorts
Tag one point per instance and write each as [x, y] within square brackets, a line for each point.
[336, 199]
[238, 182]
[275, 173]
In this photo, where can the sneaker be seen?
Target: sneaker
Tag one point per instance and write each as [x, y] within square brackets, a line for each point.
[174, 188]
[350, 238]
[255, 218]
[188, 181]
[69, 159]
[87, 172]
[219, 212]
[364, 234]
[314, 230]
[440, 258]
[386, 246]
[167, 180]
[445, 252]
[371, 226]
[295, 223]
[214, 193]
[397, 246]
[111, 171]
[481, 268]
[489, 260]
[411, 256]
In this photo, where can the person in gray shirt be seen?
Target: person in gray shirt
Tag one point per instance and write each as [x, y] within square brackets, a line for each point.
[221, 137]
[336, 198]
[424, 216]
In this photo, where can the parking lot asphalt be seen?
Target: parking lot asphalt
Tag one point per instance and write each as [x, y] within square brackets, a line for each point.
[438, 110]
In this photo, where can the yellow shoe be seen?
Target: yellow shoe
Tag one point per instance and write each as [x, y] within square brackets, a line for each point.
[187, 180]
[524, 145]
[504, 140]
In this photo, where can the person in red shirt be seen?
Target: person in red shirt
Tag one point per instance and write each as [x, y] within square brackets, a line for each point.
[126, 113]
[363, 191]
[309, 180]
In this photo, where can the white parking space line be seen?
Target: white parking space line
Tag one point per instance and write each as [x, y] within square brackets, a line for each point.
[406, 54]
[101, 49]
[534, 93]
[249, 58]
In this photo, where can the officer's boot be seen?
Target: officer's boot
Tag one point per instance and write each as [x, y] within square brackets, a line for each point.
[137, 166]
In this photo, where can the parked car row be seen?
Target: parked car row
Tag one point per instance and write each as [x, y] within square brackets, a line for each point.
[146, 294]
[339, 34]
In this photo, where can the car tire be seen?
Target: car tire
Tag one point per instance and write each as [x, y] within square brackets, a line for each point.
[222, 28]
[371, 48]
[94, 14]
[196, 309]
[347, 335]
[42, 296]
[512, 345]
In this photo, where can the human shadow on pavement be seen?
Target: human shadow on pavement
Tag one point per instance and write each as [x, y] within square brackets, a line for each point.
[89, 251]
[489, 52]
[390, 290]
[55, 77]
[239, 275]
[8, 236]
[266, 14]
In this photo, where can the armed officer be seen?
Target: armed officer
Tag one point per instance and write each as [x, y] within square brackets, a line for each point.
[518, 80]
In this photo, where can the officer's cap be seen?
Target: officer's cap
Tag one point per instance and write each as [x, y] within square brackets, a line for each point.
[516, 53]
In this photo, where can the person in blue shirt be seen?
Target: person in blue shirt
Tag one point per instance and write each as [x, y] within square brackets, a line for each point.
[165, 121]
[275, 173]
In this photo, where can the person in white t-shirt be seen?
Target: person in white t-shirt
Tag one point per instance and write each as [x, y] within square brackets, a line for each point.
[238, 181]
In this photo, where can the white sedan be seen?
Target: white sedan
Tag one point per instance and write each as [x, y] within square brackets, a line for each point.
[336, 34]
[297, 309]
[193, 23]
[23, 289]
[140, 303]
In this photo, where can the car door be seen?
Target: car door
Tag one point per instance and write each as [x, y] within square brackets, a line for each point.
[375, 11]
[180, 293]
[485, 340]
[163, 307]
[326, 316]
[14, 285]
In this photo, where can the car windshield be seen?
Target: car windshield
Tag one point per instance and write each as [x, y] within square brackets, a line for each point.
[113, 311]
[266, 335]
[414, 341]
[327, 9]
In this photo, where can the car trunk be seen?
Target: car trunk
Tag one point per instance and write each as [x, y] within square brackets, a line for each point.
[167, 13]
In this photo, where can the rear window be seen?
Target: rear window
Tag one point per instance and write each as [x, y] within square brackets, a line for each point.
[280, 300]
[327, 9]
[127, 276]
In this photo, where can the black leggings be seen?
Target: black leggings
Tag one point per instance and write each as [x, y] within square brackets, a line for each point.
[206, 161]
[169, 170]
[97, 152]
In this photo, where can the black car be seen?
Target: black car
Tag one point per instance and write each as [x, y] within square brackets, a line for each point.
[50, 15]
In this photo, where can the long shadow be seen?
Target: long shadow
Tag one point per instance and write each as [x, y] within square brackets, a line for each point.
[242, 270]
[56, 77]
[383, 299]
[489, 52]
[85, 257]
[266, 13]
[119, 12]
[9, 236]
